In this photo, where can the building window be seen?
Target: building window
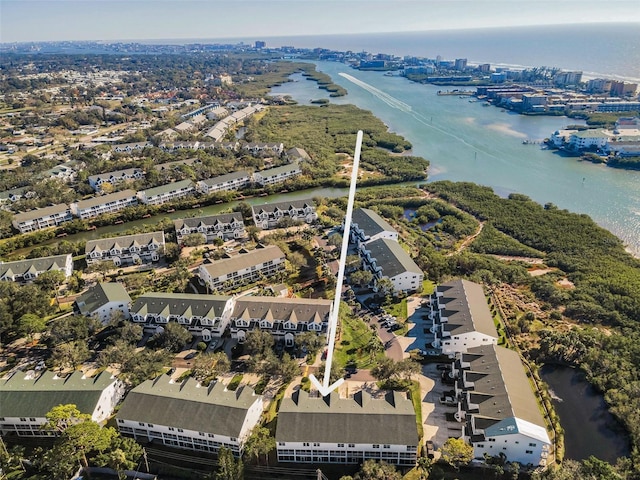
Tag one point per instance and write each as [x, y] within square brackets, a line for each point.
[529, 452]
[481, 445]
[352, 445]
[22, 419]
[341, 445]
[150, 425]
[180, 430]
[376, 446]
[316, 444]
[305, 444]
[533, 444]
[171, 429]
[32, 419]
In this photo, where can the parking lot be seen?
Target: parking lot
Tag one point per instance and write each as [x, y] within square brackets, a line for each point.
[436, 426]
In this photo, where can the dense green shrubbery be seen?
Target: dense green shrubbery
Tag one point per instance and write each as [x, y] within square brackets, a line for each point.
[325, 132]
[495, 242]
[607, 291]
[629, 163]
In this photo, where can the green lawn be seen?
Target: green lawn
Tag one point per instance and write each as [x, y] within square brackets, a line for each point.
[355, 335]
[397, 309]
[416, 399]
[428, 287]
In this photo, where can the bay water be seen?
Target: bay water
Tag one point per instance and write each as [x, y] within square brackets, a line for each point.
[466, 141]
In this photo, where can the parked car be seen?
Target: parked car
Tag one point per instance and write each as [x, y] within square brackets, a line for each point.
[448, 400]
[430, 449]
[430, 353]
[191, 355]
[395, 326]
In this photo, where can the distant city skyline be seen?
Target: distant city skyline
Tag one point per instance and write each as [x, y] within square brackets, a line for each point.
[112, 20]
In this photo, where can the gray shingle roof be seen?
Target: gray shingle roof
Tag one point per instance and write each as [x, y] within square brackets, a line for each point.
[272, 207]
[187, 405]
[466, 308]
[100, 295]
[103, 199]
[242, 261]
[370, 222]
[116, 173]
[390, 420]
[35, 397]
[43, 264]
[41, 212]
[125, 241]
[181, 304]
[210, 220]
[304, 310]
[393, 259]
[169, 187]
[291, 167]
[226, 178]
[501, 387]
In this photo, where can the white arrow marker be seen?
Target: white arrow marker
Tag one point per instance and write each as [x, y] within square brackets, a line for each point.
[325, 389]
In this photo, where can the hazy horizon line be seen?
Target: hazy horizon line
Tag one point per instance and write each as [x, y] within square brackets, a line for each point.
[241, 39]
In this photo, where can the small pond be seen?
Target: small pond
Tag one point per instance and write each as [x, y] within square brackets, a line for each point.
[589, 428]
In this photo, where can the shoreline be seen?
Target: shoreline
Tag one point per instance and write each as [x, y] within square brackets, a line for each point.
[440, 170]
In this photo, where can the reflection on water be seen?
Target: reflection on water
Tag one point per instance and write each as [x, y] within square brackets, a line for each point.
[589, 428]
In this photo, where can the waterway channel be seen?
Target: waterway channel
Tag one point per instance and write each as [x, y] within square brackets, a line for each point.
[465, 141]
[115, 230]
[589, 428]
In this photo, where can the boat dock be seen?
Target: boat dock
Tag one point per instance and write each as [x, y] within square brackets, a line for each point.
[463, 93]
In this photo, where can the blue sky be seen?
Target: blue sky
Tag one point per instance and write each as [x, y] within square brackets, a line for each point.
[42, 20]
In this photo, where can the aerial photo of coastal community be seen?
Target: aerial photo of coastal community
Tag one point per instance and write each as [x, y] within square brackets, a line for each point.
[319, 240]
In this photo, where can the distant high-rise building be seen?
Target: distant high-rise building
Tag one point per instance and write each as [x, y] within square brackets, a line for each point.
[567, 78]
[260, 44]
[484, 67]
[623, 89]
[461, 63]
[599, 85]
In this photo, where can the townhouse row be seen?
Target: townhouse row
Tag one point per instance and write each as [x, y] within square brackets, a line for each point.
[187, 415]
[494, 401]
[146, 248]
[495, 405]
[376, 242]
[53, 216]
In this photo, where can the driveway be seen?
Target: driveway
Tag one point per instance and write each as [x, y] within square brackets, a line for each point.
[418, 334]
[436, 426]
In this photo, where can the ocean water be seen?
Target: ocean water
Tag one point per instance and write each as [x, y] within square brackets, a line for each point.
[468, 142]
[610, 50]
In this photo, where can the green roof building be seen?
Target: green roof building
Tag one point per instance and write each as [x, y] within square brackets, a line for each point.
[347, 430]
[102, 301]
[25, 399]
[190, 416]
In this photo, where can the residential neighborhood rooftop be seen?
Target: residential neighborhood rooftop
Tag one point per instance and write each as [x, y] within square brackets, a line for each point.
[22, 395]
[466, 308]
[360, 419]
[189, 405]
